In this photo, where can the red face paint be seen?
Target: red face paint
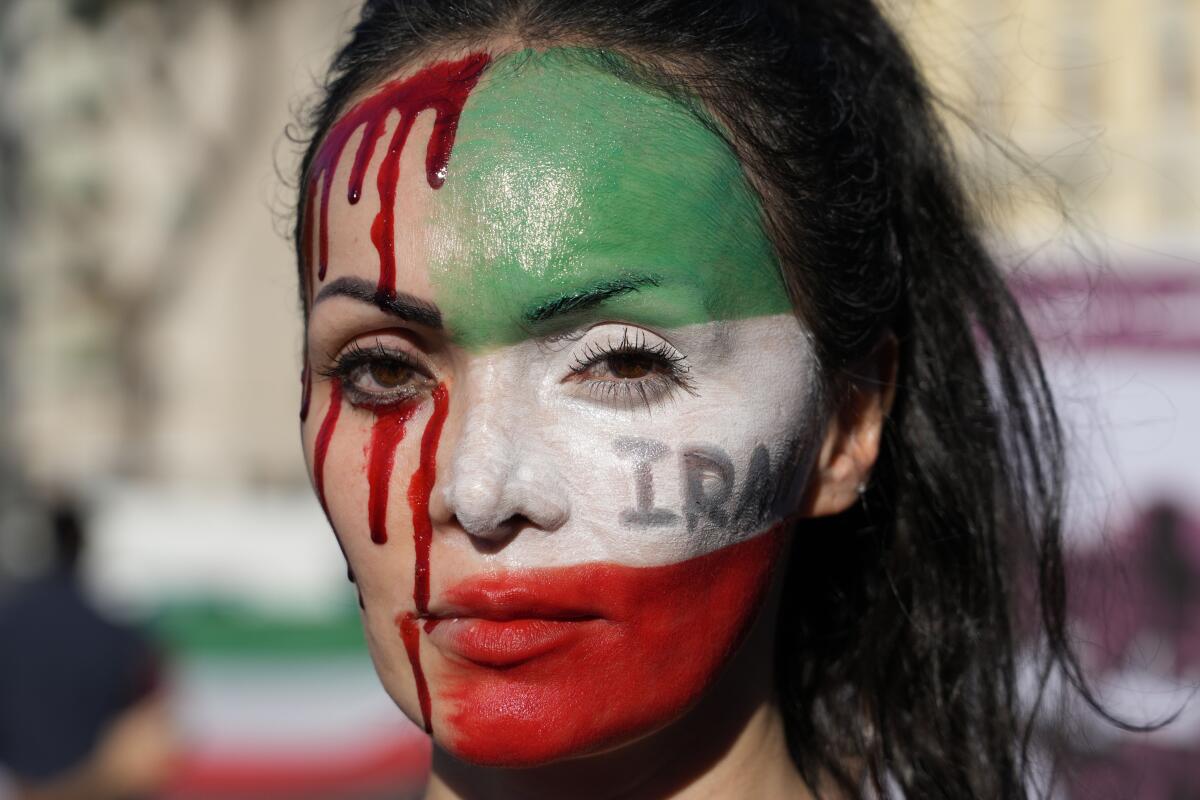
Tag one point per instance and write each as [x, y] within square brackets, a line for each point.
[443, 87]
[386, 436]
[419, 490]
[410, 634]
[321, 450]
[324, 437]
[544, 664]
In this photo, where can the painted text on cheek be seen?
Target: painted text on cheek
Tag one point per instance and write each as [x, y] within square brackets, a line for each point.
[707, 475]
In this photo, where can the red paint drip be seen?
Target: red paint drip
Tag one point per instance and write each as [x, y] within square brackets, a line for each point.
[661, 636]
[386, 436]
[443, 87]
[383, 230]
[321, 450]
[419, 490]
[410, 633]
[324, 437]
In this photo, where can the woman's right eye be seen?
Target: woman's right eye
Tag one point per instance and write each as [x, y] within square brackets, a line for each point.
[378, 375]
[382, 376]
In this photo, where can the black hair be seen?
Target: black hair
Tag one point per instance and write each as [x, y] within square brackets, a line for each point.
[897, 651]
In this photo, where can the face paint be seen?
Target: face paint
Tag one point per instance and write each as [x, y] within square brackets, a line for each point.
[386, 436]
[418, 497]
[635, 411]
[443, 88]
[324, 437]
[617, 661]
[565, 176]
[644, 452]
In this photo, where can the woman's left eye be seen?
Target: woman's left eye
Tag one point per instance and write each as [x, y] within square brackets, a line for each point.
[631, 368]
[626, 367]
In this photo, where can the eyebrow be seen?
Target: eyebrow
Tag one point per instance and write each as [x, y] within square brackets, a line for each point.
[398, 304]
[589, 297]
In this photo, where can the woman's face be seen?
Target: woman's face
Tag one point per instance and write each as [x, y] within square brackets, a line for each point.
[559, 403]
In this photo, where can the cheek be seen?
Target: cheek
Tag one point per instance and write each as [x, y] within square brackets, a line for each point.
[364, 466]
[650, 490]
[661, 636]
[373, 478]
[677, 522]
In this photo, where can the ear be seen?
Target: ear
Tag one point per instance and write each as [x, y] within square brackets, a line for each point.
[853, 433]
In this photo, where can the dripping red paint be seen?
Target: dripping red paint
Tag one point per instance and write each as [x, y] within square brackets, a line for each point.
[410, 633]
[321, 446]
[321, 450]
[444, 88]
[419, 490]
[386, 435]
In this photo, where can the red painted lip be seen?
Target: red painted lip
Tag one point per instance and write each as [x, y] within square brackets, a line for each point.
[497, 623]
[505, 643]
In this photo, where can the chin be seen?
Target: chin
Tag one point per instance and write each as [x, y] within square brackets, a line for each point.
[519, 737]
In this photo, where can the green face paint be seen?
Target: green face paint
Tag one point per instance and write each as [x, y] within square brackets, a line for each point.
[565, 177]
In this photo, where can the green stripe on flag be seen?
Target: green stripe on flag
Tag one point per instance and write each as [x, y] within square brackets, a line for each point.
[218, 629]
[563, 175]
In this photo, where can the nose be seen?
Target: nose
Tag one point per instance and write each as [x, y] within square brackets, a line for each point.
[502, 476]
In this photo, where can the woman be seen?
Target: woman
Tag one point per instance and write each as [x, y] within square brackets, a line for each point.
[678, 430]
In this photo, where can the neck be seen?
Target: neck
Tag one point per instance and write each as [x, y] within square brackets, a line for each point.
[731, 744]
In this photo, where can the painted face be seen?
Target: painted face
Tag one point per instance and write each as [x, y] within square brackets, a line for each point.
[560, 407]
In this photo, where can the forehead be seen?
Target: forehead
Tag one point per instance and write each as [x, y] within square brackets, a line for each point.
[563, 176]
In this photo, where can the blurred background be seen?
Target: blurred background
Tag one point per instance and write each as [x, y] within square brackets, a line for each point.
[150, 358]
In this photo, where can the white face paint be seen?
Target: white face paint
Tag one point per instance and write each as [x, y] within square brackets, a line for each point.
[634, 472]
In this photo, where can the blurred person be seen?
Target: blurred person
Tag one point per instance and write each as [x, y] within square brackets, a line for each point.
[678, 428]
[82, 713]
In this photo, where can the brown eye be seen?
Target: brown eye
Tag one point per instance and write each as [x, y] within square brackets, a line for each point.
[630, 366]
[390, 374]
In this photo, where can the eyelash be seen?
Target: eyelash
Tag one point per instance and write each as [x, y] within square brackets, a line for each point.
[355, 358]
[670, 372]
[658, 386]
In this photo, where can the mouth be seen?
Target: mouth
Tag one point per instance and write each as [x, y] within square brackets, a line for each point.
[499, 623]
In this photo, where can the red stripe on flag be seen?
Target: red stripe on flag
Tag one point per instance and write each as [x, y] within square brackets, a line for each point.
[397, 764]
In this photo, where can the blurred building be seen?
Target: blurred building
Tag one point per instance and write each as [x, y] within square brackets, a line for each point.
[157, 335]
[1103, 95]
